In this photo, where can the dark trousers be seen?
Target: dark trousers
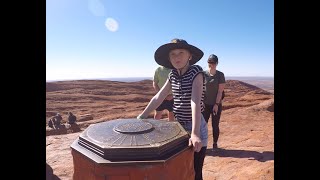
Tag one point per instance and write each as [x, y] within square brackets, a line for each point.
[198, 162]
[215, 119]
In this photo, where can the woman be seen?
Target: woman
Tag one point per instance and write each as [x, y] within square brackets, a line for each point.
[186, 82]
[215, 82]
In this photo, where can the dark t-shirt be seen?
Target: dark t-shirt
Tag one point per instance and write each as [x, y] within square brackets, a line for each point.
[72, 119]
[212, 86]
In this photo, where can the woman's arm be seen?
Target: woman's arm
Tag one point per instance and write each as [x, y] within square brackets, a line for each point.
[220, 90]
[197, 88]
[218, 99]
[156, 100]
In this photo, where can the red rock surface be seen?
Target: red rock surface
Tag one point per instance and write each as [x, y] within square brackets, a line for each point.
[246, 126]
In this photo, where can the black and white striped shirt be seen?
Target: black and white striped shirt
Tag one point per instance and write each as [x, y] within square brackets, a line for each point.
[181, 89]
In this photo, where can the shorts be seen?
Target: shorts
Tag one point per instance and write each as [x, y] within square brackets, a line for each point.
[203, 130]
[166, 104]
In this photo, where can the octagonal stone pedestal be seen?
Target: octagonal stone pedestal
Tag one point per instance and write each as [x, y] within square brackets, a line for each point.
[131, 149]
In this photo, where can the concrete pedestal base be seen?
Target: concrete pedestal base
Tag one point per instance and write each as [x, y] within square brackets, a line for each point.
[177, 167]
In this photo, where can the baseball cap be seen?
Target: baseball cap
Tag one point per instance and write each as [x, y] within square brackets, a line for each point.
[213, 59]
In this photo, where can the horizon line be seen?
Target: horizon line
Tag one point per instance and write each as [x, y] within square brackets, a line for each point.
[141, 78]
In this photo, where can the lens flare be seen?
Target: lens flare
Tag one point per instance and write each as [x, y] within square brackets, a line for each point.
[111, 24]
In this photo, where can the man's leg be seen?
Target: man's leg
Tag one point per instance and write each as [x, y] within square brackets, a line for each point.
[215, 125]
[170, 110]
[170, 116]
[157, 114]
[158, 111]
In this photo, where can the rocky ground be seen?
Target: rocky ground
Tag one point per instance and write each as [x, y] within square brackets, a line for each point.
[246, 125]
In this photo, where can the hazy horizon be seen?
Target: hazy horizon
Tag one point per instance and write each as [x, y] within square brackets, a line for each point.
[133, 79]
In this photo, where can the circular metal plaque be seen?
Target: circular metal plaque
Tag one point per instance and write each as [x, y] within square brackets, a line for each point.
[134, 140]
[132, 132]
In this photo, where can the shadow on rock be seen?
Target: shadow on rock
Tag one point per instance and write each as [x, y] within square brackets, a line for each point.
[252, 155]
[49, 173]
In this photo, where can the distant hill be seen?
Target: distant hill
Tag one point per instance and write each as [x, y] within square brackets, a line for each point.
[103, 98]
[266, 83]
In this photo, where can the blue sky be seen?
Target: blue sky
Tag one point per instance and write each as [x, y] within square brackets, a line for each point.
[87, 39]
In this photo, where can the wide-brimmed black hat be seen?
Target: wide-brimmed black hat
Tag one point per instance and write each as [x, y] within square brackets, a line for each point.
[162, 53]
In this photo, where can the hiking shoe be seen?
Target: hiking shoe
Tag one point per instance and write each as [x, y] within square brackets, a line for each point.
[215, 147]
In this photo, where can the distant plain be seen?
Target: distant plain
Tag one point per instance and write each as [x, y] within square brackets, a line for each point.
[265, 83]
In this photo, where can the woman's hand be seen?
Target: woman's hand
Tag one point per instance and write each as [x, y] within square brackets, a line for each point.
[215, 109]
[141, 117]
[195, 141]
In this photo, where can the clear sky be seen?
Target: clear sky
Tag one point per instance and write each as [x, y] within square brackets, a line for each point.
[88, 39]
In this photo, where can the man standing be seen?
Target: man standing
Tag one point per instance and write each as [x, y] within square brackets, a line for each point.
[160, 77]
